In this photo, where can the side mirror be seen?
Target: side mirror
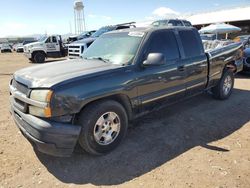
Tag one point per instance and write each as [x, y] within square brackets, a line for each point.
[154, 59]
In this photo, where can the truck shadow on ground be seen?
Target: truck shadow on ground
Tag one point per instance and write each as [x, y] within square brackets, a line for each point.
[155, 139]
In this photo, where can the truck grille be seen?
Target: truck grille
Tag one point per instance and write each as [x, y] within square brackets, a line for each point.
[22, 106]
[20, 87]
[75, 51]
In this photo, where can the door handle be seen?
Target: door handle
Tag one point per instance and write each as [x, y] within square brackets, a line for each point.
[181, 68]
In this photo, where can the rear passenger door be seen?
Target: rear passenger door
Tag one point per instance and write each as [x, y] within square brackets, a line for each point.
[163, 83]
[194, 61]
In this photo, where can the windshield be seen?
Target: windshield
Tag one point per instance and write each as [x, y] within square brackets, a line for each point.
[42, 39]
[116, 48]
[102, 30]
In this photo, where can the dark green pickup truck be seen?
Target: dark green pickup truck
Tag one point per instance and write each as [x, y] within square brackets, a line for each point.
[124, 74]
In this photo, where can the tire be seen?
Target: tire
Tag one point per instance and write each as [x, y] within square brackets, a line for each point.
[39, 57]
[225, 86]
[94, 137]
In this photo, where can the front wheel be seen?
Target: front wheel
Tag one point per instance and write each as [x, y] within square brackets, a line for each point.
[104, 125]
[225, 86]
[39, 57]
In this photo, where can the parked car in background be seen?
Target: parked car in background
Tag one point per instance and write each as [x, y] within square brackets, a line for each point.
[208, 36]
[5, 48]
[47, 46]
[242, 38]
[171, 22]
[245, 39]
[76, 49]
[84, 35]
[246, 62]
[19, 48]
[123, 75]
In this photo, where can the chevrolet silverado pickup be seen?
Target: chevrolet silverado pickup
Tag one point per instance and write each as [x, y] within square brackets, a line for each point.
[123, 75]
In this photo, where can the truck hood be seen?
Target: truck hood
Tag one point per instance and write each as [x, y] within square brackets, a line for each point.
[47, 75]
[33, 44]
[84, 41]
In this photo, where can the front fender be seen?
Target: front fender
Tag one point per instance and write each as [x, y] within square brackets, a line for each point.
[36, 49]
[72, 97]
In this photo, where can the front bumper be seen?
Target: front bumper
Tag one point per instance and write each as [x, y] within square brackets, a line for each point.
[52, 138]
[28, 55]
[5, 50]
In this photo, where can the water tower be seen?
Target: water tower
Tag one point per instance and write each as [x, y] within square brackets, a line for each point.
[79, 17]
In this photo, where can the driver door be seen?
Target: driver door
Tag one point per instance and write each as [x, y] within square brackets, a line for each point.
[162, 84]
[52, 44]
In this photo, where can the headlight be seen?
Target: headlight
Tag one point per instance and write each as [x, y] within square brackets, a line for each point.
[41, 96]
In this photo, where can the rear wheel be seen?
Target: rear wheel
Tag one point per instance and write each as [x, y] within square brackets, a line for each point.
[39, 57]
[225, 86]
[104, 125]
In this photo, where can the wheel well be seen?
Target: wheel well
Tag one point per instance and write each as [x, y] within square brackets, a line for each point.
[40, 51]
[231, 66]
[120, 98]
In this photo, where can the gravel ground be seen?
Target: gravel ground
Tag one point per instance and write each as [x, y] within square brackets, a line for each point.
[200, 142]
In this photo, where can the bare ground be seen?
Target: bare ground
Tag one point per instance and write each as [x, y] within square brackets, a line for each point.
[200, 142]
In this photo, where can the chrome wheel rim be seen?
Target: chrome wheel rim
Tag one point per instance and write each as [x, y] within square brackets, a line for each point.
[227, 85]
[107, 128]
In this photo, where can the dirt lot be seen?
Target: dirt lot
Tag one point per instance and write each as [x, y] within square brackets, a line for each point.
[201, 142]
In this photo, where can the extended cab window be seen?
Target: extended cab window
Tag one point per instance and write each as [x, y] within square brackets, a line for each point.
[190, 43]
[165, 43]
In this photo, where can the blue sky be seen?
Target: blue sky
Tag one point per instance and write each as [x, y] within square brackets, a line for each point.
[25, 17]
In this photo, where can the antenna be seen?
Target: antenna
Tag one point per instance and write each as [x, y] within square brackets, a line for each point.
[79, 17]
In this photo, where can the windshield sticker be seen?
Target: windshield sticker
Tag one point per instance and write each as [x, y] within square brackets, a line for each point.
[136, 34]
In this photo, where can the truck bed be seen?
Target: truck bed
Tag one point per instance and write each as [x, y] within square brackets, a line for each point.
[221, 56]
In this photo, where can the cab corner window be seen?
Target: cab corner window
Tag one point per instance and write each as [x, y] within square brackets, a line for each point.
[191, 45]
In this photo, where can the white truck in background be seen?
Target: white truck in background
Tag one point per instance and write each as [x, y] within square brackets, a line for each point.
[76, 49]
[48, 46]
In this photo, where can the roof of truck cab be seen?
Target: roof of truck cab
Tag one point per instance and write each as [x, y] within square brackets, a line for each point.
[150, 29]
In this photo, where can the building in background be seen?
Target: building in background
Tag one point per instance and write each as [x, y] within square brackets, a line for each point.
[239, 16]
[14, 40]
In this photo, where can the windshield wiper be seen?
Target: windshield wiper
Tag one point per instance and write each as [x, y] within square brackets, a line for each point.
[99, 58]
